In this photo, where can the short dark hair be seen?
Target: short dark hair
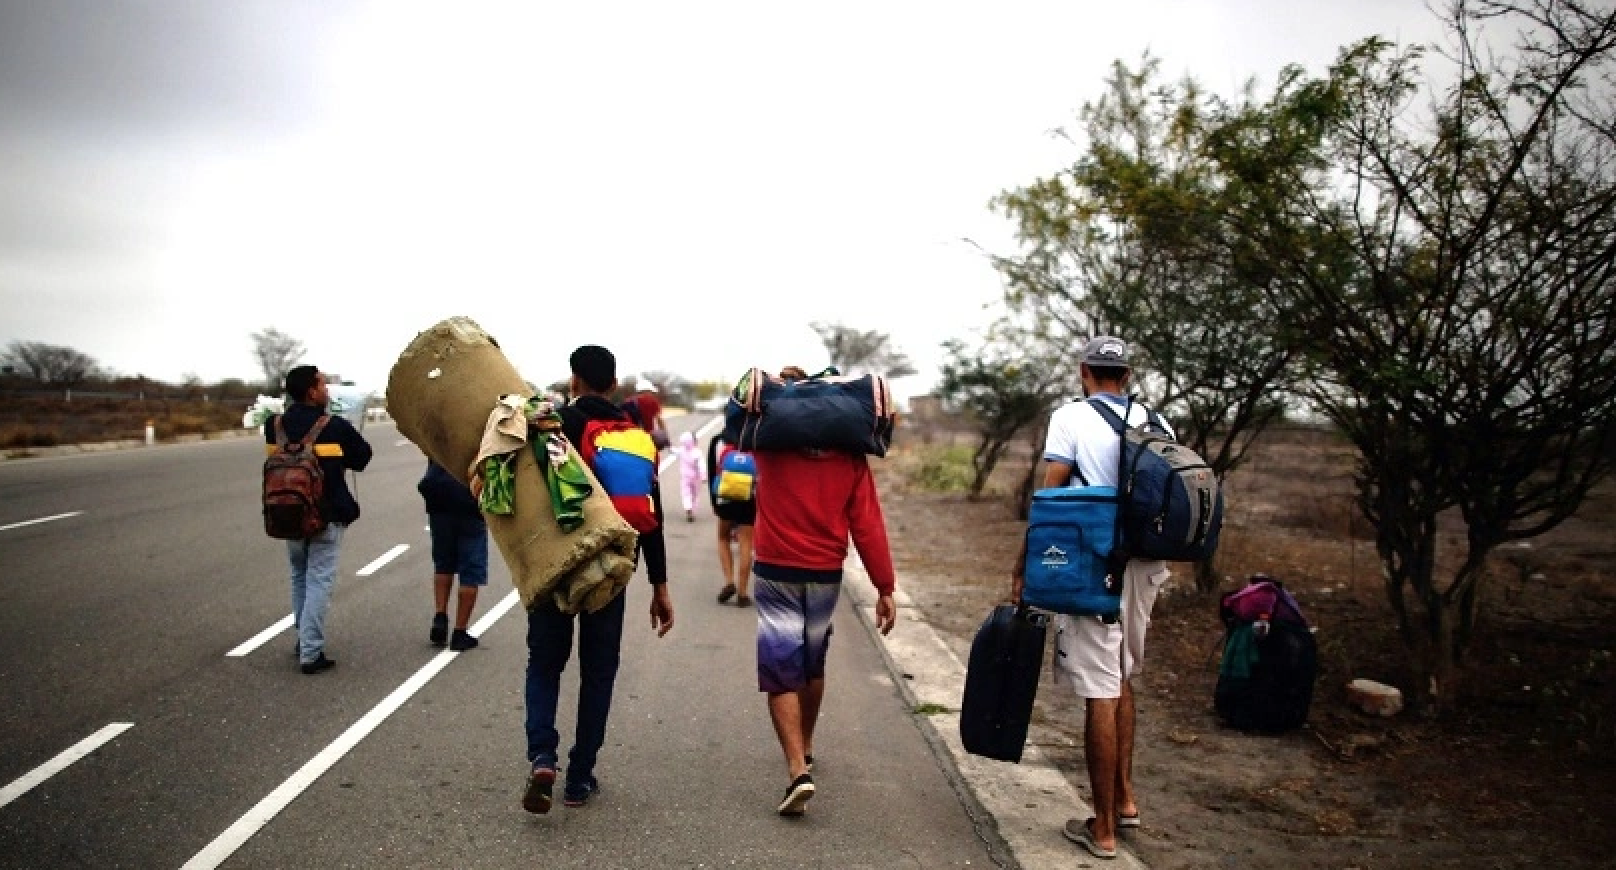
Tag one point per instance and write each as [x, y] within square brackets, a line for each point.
[1109, 374]
[300, 380]
[595, 366]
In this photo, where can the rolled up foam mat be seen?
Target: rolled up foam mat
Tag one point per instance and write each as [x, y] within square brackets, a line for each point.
[440, 392]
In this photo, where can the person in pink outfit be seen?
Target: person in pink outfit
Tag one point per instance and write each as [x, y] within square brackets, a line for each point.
[692, 473]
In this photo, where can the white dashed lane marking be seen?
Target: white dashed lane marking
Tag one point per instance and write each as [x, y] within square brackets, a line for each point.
[261, 638]
[10, 526]
[285, 622]
[382, 560]
[223, 846]
[62, 761]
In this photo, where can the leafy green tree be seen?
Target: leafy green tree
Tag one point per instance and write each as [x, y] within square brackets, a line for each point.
[1128, 241]
[854, 352]
[1453, 275]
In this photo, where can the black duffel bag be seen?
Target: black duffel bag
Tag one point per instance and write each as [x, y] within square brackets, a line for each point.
[826, 411]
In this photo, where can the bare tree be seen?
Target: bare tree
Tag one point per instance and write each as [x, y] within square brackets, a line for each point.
[277, 354]
[51, 364]
[1456, 278]
[856, 352]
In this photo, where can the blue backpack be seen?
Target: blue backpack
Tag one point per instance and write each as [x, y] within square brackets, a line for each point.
[1072, 562]
[1169, 503]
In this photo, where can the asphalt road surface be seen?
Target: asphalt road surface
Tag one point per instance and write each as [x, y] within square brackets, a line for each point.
[154, 715]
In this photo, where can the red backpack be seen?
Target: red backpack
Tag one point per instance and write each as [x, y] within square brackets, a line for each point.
[624, 460]
[294, 483]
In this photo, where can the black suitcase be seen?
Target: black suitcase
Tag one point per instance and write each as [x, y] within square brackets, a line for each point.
[1001, 680]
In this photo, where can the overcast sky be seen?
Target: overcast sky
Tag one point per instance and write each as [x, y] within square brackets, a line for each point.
[690, 184]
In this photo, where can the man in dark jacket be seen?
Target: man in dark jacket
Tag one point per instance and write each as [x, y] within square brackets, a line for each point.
[600, 634]
[314, 560]
[459, 548]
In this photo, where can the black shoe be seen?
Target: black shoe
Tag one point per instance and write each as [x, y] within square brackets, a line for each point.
[440, 629]
[725, 594]
[579, 793]
[320, 664]
[538, 797]
[461, 641]
[796, 800]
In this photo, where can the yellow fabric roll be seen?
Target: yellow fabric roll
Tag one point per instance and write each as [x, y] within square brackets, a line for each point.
[440, 392]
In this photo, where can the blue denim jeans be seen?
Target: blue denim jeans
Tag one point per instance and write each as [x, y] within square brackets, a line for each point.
[314, 572]
[549, 645]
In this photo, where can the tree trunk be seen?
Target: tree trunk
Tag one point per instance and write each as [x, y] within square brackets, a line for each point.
[1029, 483]
[1440, 669]
[1206, 574]
[983, 462]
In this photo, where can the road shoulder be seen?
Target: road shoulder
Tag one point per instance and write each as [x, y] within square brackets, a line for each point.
[1029, 802]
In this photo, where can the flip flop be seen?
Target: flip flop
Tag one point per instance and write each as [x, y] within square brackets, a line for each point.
[1128, 821]
[1079, 833]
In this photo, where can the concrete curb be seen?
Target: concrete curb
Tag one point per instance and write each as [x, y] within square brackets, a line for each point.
[1028, 803]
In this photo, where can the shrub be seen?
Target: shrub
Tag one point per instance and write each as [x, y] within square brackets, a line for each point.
[23, 435]
[943, 469]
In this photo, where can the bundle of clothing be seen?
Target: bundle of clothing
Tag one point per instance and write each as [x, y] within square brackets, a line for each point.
[457, 397]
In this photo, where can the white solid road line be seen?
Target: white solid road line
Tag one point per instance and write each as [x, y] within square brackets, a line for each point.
[381, 560]
[261, 638]
[11, 526]
[245, 827]
[61, 761]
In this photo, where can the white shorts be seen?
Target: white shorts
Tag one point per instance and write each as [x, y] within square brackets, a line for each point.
[1094, 657]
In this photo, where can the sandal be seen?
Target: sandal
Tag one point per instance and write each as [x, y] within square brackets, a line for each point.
[1081, 834]
[743, 601]
[725, 594]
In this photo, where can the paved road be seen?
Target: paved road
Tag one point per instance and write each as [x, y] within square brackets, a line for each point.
[118, 615]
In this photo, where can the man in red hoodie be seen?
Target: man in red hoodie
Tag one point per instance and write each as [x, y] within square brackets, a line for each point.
[809, 502]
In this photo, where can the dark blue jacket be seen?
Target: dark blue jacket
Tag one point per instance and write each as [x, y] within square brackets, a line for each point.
[340, 447]
[446, 495]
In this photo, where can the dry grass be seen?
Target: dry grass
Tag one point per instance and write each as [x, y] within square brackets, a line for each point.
[38, 422]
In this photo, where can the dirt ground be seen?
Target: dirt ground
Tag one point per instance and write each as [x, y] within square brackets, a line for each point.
[1520, 771]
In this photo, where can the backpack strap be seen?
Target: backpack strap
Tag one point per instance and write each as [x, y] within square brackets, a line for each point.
[1117, 561]
[280, 432]
[315, 430]
[1117, 424]
[1154, 419]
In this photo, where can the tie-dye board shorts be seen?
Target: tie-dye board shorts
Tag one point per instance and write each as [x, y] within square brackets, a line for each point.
[793, 631]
